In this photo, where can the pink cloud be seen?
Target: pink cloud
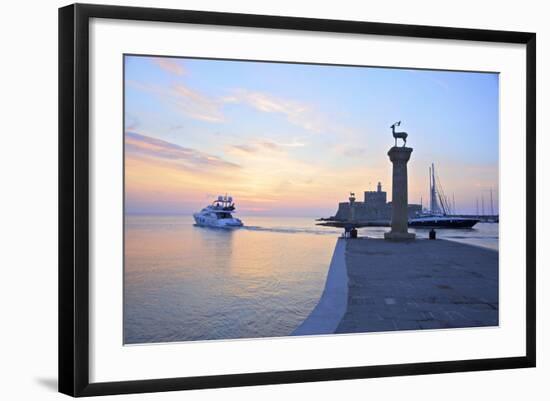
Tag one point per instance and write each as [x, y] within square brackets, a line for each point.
[297, 113]
[170, 65]
[190, 102]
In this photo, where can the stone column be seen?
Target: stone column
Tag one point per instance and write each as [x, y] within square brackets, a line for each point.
[399, 157]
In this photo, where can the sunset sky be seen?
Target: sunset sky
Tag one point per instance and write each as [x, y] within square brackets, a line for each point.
[294, 139]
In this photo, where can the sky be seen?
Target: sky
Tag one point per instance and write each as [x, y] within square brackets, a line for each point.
[294, 139]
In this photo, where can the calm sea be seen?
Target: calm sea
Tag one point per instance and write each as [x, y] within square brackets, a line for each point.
[185, 283]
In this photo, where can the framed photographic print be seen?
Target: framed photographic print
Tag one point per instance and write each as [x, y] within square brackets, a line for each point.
[251, 199]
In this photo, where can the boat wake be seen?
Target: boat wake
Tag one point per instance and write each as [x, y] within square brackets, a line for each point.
[291, 230]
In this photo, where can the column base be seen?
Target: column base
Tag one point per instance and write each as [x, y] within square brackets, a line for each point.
[395, 236]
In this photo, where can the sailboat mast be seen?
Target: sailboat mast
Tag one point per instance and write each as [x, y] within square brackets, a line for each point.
[433, 188]
[454, 205]
[430, 204]
[492, 210]
[433, 192]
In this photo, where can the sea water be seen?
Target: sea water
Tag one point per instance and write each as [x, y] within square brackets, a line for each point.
[186, 283]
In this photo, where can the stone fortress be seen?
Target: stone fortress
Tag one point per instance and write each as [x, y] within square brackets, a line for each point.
[374, 208]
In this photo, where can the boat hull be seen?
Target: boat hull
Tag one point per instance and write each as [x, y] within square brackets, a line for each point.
[443, 223]
[206, 221]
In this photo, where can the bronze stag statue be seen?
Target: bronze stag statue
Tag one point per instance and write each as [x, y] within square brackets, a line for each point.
[402, 135]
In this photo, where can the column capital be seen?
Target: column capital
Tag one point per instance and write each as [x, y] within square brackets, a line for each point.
[400, 154]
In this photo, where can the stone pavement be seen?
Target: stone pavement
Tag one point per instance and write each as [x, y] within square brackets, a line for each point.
[419, 284]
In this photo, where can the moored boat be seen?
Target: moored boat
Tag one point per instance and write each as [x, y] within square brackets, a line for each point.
[442, 221]
[438, 215]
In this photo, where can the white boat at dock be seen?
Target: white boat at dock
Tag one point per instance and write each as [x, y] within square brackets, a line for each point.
[438, 216]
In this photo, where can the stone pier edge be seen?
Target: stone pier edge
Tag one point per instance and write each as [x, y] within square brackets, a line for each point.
[333, 304]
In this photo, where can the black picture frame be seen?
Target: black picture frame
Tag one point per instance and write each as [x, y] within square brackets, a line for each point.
[74, 198]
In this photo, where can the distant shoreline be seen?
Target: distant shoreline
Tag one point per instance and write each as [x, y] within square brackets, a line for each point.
[190, 214]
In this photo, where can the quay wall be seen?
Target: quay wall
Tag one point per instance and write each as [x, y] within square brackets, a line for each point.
[327, 314]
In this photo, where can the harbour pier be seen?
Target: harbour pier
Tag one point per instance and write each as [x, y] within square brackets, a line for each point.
[380, 285]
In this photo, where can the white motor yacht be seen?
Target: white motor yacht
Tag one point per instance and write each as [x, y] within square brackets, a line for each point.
[218, 214]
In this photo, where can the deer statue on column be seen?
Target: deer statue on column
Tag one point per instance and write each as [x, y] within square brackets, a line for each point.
[402, 135]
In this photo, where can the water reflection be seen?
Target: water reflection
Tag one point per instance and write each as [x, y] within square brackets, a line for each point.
[184, 282]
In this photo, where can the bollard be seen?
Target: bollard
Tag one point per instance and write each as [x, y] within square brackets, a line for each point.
[432, 234]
